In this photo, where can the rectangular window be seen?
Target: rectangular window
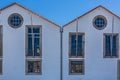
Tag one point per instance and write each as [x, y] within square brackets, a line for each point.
[33, 49]
[111, 45]
[33, 66]
[76, 47]
[76, 53]
[76, 66]
[33, 41]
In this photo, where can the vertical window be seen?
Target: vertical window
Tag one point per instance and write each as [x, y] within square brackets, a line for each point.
[33, 49]
[1, 51]
[76, 47]
[76, 53]
[111, 45]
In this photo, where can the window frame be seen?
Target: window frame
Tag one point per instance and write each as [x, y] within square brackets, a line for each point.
[83, 67]
[40, 40]
[33, 58]
[9, 20]
[27, 73]
[117, 45]
[105, 22]
[83, 44]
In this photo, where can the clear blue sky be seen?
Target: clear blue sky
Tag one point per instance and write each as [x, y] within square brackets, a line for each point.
[63, 11]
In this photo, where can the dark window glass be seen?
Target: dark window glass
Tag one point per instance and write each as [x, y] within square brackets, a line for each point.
[30, 48]
[79, 47]
[73, 45]
[76, 66]
[15, 20]
[108, 49]
[33, 66]
[33, 41]
[111, 45]
[76, 45]
[99, 22]
[114, 46]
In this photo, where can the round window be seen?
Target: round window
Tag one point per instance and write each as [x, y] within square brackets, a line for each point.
[99, 22]
[15, 20]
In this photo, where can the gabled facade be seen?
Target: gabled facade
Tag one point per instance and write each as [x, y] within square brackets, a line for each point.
[91, 46]
[30, 45]
[34, 48]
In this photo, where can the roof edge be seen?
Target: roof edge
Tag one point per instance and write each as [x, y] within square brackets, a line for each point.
[89, 12]
[29, 11]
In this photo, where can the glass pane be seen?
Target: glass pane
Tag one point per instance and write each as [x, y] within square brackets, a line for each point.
[107, 46]
[29, 30]
[30, 67]
[79, 49]
[99, 22]
[30, 53]
[114, 46]
[33, 66]
[36, 45]
[73, 45]
[37, 66]
[76, 66]
[36, 30]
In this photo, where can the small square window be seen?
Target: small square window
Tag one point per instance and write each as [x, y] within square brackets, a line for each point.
[76, 67]
[33, 67]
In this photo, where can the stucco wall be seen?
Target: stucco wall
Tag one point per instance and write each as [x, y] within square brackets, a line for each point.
[96, 66]
[14, 47]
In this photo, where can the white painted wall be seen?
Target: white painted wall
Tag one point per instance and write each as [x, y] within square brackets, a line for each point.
[96, 67]
[14, 47]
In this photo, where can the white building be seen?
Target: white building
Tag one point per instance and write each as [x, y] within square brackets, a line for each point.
[34, 48]
[94, 53]
[31, 45]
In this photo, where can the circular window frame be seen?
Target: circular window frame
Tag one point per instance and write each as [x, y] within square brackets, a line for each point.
[105, 22]
[10, 17]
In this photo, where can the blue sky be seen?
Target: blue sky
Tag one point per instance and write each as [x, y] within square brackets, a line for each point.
[63, 11]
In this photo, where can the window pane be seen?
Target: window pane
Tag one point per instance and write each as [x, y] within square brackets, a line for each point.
[73, 45]
[36, 45]
[107, 46]
[79, 49]
[30, 52]
[36, 30]
[33, 66]
[30, 67]
[114, 44]
[76, 66]
[37, 66]
[29, 30]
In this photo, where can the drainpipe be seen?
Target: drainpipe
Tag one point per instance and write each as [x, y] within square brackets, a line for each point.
[61, 52]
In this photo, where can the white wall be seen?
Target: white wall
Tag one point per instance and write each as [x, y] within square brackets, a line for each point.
[14, 47]
[96, 67]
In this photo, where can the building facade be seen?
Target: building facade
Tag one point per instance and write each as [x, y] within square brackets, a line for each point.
[91, 46]
[30, 45]
[34, 48]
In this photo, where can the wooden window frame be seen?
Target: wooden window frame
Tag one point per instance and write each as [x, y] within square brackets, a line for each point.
[9, 22]
[83, 44]
[40, 60]
[117, 44]
[33, 58]
[83, 66]
[32, 26]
